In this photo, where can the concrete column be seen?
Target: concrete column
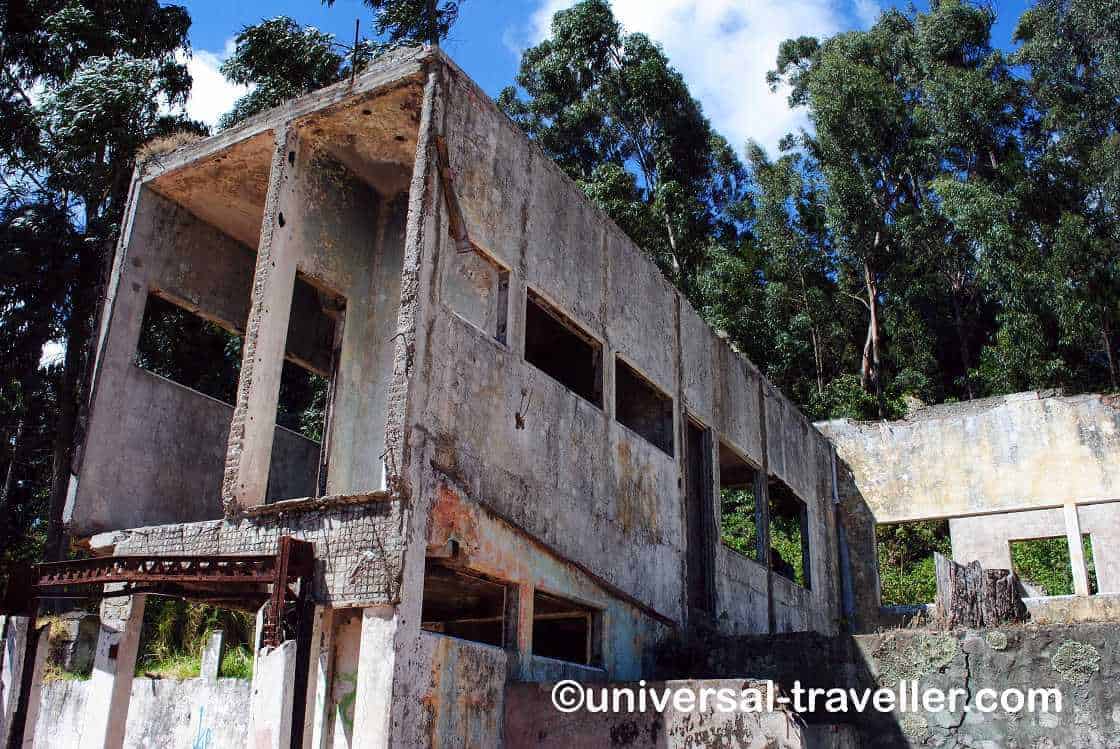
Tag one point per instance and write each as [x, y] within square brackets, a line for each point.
[317, 716]
[271, 702]
[254, 419]
[1076, 551]
[35, 696]
[373, 692]
[13, 639]
[212, 653]
[114, 663]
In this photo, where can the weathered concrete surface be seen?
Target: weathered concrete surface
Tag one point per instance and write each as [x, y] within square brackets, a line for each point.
[114, 664]
[358, 544]
[163, 714]
[457, 697]
[547, 461]
[156, 450]
[531, 720]
[272, 696]
[1019, 452]
[988, 538]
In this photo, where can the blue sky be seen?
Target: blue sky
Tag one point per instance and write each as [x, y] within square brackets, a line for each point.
[722, 47]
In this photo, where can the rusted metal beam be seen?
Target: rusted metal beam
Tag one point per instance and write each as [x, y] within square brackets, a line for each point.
[229, 580]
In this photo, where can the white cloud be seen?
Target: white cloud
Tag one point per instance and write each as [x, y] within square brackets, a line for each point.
[724, 48]
[211, 94]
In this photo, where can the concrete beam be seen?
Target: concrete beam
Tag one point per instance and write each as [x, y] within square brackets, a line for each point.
[212, 653]
[271, 702]
[114, 664]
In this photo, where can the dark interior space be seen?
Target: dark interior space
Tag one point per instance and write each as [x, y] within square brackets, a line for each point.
[464, 605]
[563, 629]
[189, 350]
[557, 347]
[699, 562]
[642, 407]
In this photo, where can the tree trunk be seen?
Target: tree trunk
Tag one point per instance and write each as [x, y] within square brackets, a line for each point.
[970, 596]
[1106, 339]
[869, 369]
[966, 357]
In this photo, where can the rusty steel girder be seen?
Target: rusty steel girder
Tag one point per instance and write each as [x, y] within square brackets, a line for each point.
[241, 581]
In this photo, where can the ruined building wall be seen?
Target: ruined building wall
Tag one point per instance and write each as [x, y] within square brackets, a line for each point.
[492, 428]
[1017, 467]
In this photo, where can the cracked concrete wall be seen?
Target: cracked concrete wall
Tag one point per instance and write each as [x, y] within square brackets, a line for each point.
[1082, 661]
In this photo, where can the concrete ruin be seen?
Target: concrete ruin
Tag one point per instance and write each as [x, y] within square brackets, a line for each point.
[527, 435]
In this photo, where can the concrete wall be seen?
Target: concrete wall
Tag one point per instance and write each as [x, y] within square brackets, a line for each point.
[163, 714]
[988, 538]
[1007, 460]
[545, 461]
[1021, 452]
[155, 450]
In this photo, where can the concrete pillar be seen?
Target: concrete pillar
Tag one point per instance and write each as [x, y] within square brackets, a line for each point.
[271, 702]
[35, 696]
[373, 692]
[212, 653]
[253, 427]
[1076, 551]
[114, 663]
[317, 715]
[14, 631]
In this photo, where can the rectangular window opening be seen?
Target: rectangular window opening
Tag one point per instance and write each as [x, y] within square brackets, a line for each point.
[906, 569]
[565, 630]
[643, 408]
[1044, 568]
[559, 348]
[738, 508]
[699, 509]
[465, 605]
[190, 350]
[789, 534]
[314, 340]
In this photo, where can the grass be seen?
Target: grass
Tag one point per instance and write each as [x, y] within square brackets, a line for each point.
[237, 663]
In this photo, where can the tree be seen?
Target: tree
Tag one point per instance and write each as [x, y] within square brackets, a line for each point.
[83, 86]
[618, 119]
[1072, 48]
[868, 145]
[411, 22]
[282, 61]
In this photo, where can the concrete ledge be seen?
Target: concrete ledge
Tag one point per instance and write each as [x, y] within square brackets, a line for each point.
[314, 504]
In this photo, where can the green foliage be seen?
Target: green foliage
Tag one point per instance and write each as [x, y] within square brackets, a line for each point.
[738, 529]
[175, 631]
[906, 570]
[189, 350]
[612, 112]
[1044, 564]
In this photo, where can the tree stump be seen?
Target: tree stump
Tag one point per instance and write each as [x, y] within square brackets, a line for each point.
[970, 596]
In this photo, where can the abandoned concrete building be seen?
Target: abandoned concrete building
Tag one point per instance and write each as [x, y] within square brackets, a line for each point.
[522, 469]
